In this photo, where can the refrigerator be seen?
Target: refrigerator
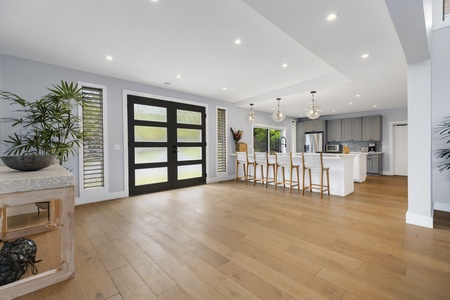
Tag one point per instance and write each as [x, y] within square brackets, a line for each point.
[314, 142]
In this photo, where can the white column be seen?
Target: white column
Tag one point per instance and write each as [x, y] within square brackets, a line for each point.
[420, 205]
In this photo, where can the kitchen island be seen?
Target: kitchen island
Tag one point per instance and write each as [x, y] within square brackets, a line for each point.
[341, 171]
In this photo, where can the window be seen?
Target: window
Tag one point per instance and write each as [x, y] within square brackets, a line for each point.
[268, 139]
[93, 146]
[221, 140]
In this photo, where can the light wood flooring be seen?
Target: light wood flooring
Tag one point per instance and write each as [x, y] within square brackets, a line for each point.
[232, 241]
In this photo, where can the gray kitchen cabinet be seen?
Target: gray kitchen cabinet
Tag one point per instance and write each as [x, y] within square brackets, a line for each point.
[316, 125]
[371, 128]
[334, 130]
[351, 129]
[374, 164]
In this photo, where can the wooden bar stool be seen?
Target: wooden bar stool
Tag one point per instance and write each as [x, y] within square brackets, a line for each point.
[315, 162]
[271, 162]
[284, 160]
[261, 161]
[241, 160]
[250, 163]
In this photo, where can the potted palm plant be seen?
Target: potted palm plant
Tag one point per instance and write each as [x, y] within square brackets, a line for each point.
[48, 127]
[444, 130]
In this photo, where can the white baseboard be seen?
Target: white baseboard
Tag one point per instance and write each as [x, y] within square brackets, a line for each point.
[442, 206]
[419, 220]
[219, 179]
[108, 196]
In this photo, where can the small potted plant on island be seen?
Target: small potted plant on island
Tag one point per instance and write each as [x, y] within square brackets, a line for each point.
[48, 128]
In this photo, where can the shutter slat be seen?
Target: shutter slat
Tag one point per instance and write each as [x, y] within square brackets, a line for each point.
[221, 140]
[93, 151]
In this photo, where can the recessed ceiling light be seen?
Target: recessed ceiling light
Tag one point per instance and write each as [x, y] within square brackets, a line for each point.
[178, 76]
[109, 57]
[333, 111]
[237, 41]
[350, 103]
[284, 65]
[224, 88]
[365, 55]
[154, 0]
[375, 105]
[332, 17]
[357, 95]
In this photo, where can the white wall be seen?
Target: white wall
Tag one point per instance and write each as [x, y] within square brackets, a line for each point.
[440, 110]
[29, 79]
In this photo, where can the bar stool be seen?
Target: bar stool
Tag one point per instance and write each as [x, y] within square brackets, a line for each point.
[261, 161]
[315, 162]
[284, 160]
[250, 163]
[271, 162]
[241, 159]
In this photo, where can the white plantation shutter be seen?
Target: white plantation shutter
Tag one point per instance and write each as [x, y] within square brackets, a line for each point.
[221, 140]
[293, 136]
[93, 147]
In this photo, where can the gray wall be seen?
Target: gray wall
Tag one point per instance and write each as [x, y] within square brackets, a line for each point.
[29, 79]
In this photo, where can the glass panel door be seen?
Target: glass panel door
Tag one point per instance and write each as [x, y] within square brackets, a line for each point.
[166, 145]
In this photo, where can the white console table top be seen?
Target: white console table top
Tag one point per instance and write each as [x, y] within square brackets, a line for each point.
[55, 176]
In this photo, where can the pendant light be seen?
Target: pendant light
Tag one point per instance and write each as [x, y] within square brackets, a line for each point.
[314, 111]
[251, 115]
[278, 114]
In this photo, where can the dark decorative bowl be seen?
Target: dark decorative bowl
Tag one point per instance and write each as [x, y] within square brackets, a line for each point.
[28, 162]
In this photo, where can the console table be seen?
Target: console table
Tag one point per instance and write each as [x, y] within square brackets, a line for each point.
[56, 186]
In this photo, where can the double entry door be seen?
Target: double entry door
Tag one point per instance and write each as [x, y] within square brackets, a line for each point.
[166, 145]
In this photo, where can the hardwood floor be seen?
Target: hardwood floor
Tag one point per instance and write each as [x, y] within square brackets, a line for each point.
[232, 241]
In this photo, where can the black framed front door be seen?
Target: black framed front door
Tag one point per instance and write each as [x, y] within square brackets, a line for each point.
[166, 145]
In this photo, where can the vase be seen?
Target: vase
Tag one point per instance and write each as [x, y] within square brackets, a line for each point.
[236, 146]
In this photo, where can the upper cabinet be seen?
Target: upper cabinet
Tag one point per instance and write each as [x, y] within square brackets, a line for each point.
[371, 128]
[316, 125]
[334, 130]
[351, 129]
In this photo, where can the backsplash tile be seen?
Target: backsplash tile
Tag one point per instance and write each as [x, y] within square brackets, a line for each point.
[356, 146]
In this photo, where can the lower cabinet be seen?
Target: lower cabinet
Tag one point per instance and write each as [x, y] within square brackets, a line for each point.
[374, 164]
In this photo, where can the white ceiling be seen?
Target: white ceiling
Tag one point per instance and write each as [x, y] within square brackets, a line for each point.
[153, 42]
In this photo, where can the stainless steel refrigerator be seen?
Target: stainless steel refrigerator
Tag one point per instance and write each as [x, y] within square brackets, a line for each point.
[313, 142]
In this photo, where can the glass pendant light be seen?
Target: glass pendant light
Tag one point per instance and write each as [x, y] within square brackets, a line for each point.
[278, 114]
[314, 111]
[251, 115]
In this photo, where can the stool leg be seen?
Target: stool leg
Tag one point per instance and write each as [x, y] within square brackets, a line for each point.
[328, 181]
[321, 183]
[303, 181]
[310, 180]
